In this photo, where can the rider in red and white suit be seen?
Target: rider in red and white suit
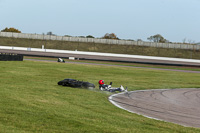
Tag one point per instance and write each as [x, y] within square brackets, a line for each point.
[104, 87]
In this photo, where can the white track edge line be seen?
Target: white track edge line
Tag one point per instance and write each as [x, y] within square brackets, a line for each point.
[115, 104]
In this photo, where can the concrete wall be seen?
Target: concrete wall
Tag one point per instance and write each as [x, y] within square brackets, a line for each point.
[95, 40]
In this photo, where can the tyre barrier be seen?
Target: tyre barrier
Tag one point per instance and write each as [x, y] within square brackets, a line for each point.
[10, 57]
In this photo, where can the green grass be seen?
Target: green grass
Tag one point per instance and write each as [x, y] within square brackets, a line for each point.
[31, 100]
[117, 63]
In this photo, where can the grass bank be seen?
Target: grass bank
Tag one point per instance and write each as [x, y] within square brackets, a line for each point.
[106, 48]
[31, 100]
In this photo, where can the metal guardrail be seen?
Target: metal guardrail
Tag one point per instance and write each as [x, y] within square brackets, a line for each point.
[101, 54]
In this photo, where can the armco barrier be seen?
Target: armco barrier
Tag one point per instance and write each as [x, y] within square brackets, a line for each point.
[96, 40]
[100, 54]
[10, 57]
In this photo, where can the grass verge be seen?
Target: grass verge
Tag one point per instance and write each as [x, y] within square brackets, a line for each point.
[31, 100]
[117, 63]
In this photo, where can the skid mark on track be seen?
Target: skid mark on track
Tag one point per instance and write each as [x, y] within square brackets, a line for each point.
[180, 106]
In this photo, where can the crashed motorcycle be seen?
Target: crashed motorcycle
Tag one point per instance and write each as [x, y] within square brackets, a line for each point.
[76, 84]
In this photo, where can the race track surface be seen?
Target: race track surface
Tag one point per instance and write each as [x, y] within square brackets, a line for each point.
[180, 106]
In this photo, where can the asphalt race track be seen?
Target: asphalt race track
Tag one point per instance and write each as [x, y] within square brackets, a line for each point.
[180, 106]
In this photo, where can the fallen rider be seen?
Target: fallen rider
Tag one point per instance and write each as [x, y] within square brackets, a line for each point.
[109, 87]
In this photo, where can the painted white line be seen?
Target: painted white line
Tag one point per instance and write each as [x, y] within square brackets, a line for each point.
[117, 105]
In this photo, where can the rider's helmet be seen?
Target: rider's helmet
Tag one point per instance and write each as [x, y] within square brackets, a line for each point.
[101, 82]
